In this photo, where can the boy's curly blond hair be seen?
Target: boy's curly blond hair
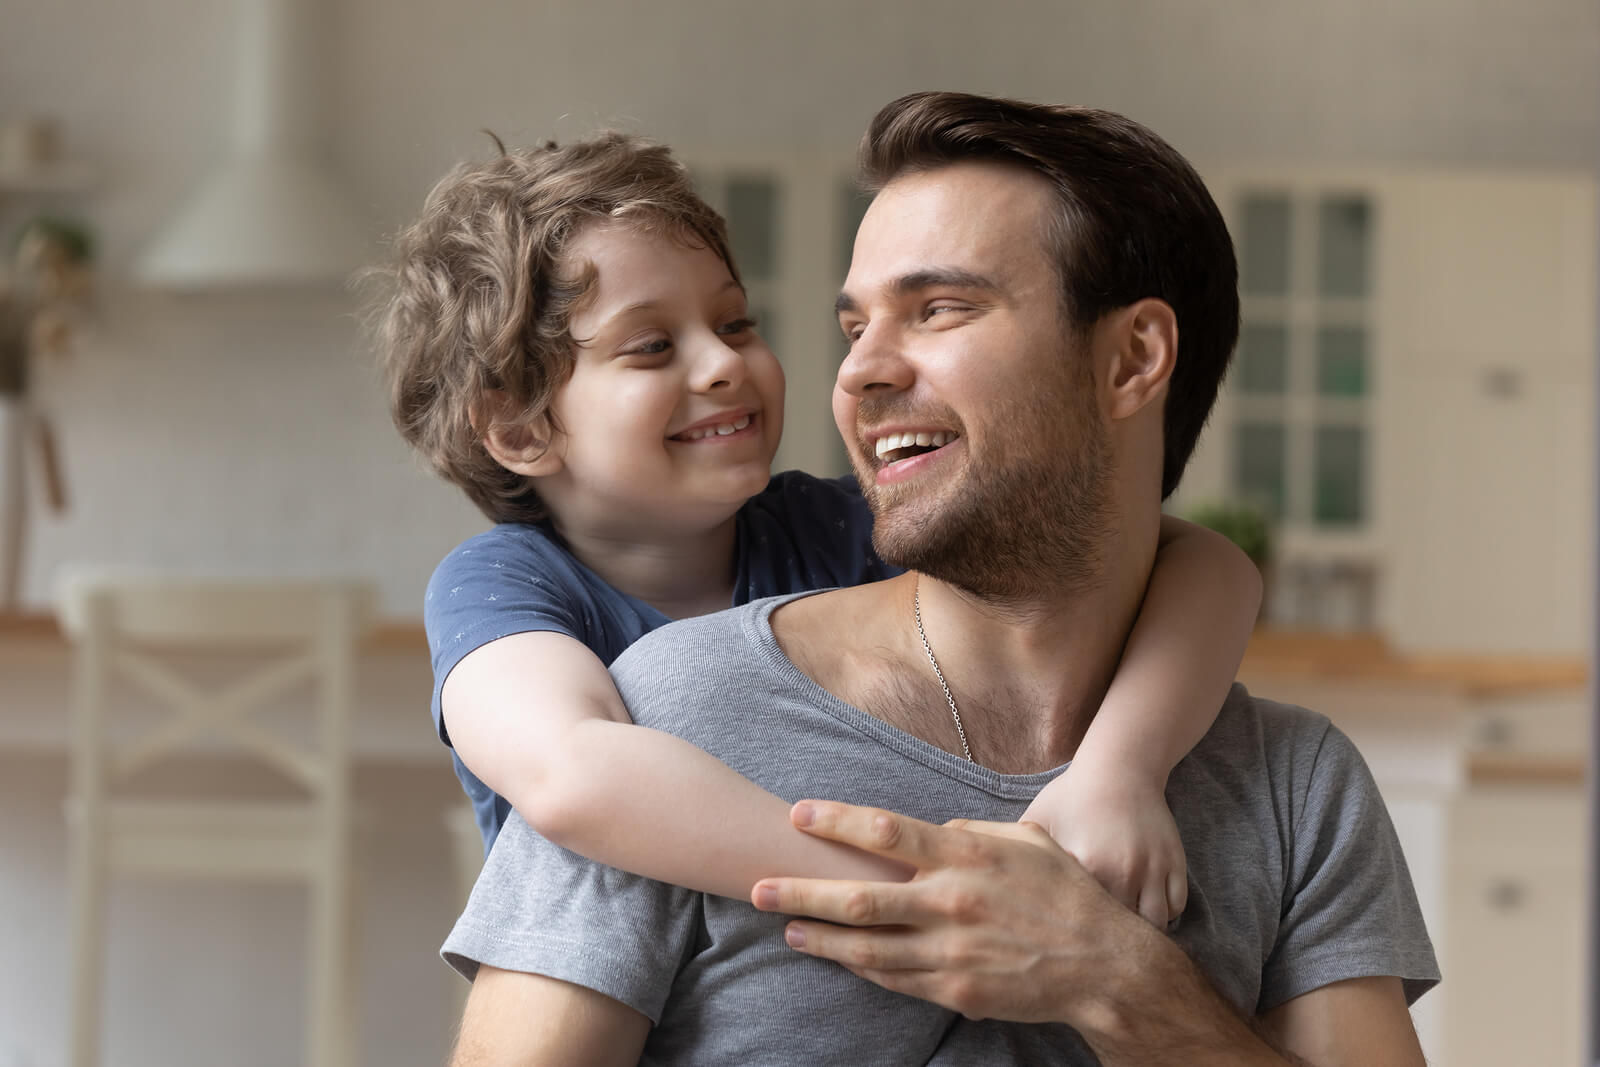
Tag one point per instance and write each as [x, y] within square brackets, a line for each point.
[477, 297]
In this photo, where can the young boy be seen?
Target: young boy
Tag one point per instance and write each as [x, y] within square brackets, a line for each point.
[567, 339]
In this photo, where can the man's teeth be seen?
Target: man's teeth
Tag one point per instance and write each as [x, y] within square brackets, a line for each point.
[721, 430]
[895, 441]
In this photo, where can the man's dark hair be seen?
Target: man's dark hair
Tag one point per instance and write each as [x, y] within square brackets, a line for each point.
[1134, 221]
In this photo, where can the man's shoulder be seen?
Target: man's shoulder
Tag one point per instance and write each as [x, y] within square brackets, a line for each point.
[1251, 723]
[1261, 757]
[697, 656]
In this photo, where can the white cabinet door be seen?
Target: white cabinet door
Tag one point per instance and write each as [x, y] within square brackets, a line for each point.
[1515, 939]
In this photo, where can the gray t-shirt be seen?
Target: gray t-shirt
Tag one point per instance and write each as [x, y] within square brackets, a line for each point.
[1295, 875]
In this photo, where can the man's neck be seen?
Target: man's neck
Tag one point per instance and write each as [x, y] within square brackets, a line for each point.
[1027, 677]
[679, 575]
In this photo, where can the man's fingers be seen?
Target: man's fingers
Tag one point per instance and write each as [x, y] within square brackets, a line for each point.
[1015, 831]
[886, 833]
[878, 950]
[847, 903]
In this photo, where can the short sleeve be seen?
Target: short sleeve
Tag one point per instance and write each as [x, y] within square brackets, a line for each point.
[492, 586]
[540, 909]
[1349, 909]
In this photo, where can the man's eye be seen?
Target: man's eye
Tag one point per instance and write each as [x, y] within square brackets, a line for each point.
[851, 333]
[737, 326]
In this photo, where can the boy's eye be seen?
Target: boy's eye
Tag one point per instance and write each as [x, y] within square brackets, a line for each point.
[654, 347]
[737, 326]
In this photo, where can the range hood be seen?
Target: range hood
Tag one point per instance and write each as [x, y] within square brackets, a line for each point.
[270, 214]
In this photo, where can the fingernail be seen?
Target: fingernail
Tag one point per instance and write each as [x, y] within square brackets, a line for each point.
[766, 897]
[803, 814]
[795, 936]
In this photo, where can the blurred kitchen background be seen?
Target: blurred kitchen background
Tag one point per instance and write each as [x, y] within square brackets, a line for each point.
[1407, 437]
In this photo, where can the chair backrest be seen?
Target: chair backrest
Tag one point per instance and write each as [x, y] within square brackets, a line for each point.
[280, 636]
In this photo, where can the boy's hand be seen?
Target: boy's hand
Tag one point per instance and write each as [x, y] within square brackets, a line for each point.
[1119, 827]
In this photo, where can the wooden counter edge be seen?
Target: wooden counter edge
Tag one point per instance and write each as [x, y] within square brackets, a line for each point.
[1525, 768]
[387, 635]
[1281, 653]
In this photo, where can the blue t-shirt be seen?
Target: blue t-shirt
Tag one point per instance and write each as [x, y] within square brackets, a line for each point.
[798, 534]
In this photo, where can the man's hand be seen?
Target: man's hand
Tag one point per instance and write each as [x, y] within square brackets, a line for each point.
[1119, 827]
[1000, 922]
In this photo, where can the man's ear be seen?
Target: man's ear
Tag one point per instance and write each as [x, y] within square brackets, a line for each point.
[1144, 353]
[523, 445]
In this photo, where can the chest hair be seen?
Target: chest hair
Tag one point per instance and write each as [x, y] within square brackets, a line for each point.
[911, 700]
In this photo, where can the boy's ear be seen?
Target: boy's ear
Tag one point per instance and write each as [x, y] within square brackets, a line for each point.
[1144, 353]
[522, 445]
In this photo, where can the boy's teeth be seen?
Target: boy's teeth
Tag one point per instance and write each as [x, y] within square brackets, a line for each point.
[721, 430]
[894, 441]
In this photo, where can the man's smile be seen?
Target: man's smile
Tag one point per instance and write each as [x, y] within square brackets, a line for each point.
[903, 445]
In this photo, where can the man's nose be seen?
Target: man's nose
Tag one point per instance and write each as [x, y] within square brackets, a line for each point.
[717, 365]
[874, 364]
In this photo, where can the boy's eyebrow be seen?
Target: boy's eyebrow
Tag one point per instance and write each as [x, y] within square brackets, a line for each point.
[917, 280]
[651, 305]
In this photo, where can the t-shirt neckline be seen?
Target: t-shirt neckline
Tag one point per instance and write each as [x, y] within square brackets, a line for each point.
[758, 630]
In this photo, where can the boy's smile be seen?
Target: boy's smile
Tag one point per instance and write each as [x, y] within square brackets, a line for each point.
[717, 426]
[674, 407]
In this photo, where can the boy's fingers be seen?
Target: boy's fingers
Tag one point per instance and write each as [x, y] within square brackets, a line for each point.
[1153, 905]
[1177, 893]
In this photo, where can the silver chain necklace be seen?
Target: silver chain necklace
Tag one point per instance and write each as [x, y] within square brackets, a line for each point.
[955, 713]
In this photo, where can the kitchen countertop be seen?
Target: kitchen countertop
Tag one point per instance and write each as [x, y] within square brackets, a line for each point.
[1299, 666]
[1283, 653]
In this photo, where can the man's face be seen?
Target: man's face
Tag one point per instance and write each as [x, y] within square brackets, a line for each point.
[967, 404]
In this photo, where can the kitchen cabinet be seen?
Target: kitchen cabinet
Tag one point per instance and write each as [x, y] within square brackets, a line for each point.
[1514, 926]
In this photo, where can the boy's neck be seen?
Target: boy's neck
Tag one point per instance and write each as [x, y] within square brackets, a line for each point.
[678, 575]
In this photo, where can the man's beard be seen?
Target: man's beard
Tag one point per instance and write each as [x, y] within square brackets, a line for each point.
[1032, 517]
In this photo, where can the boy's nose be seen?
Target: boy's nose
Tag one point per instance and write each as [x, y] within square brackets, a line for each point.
[718, 366]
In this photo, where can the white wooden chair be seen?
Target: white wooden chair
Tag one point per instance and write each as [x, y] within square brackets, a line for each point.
[136, 644]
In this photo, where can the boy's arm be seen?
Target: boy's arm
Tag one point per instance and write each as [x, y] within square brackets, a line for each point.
[1109, 809]
[537, 718]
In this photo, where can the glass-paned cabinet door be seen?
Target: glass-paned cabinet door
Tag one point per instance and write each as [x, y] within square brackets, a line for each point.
[1301, 387]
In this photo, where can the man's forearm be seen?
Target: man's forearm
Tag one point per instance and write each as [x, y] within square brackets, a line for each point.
[1162, 1011]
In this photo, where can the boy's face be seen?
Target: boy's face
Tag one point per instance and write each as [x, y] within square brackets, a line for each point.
[675, 405]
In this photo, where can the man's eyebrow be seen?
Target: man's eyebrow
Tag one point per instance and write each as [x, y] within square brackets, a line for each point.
[918, 280]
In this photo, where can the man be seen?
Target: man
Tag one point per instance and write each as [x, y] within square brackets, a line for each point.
[1018, 292]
